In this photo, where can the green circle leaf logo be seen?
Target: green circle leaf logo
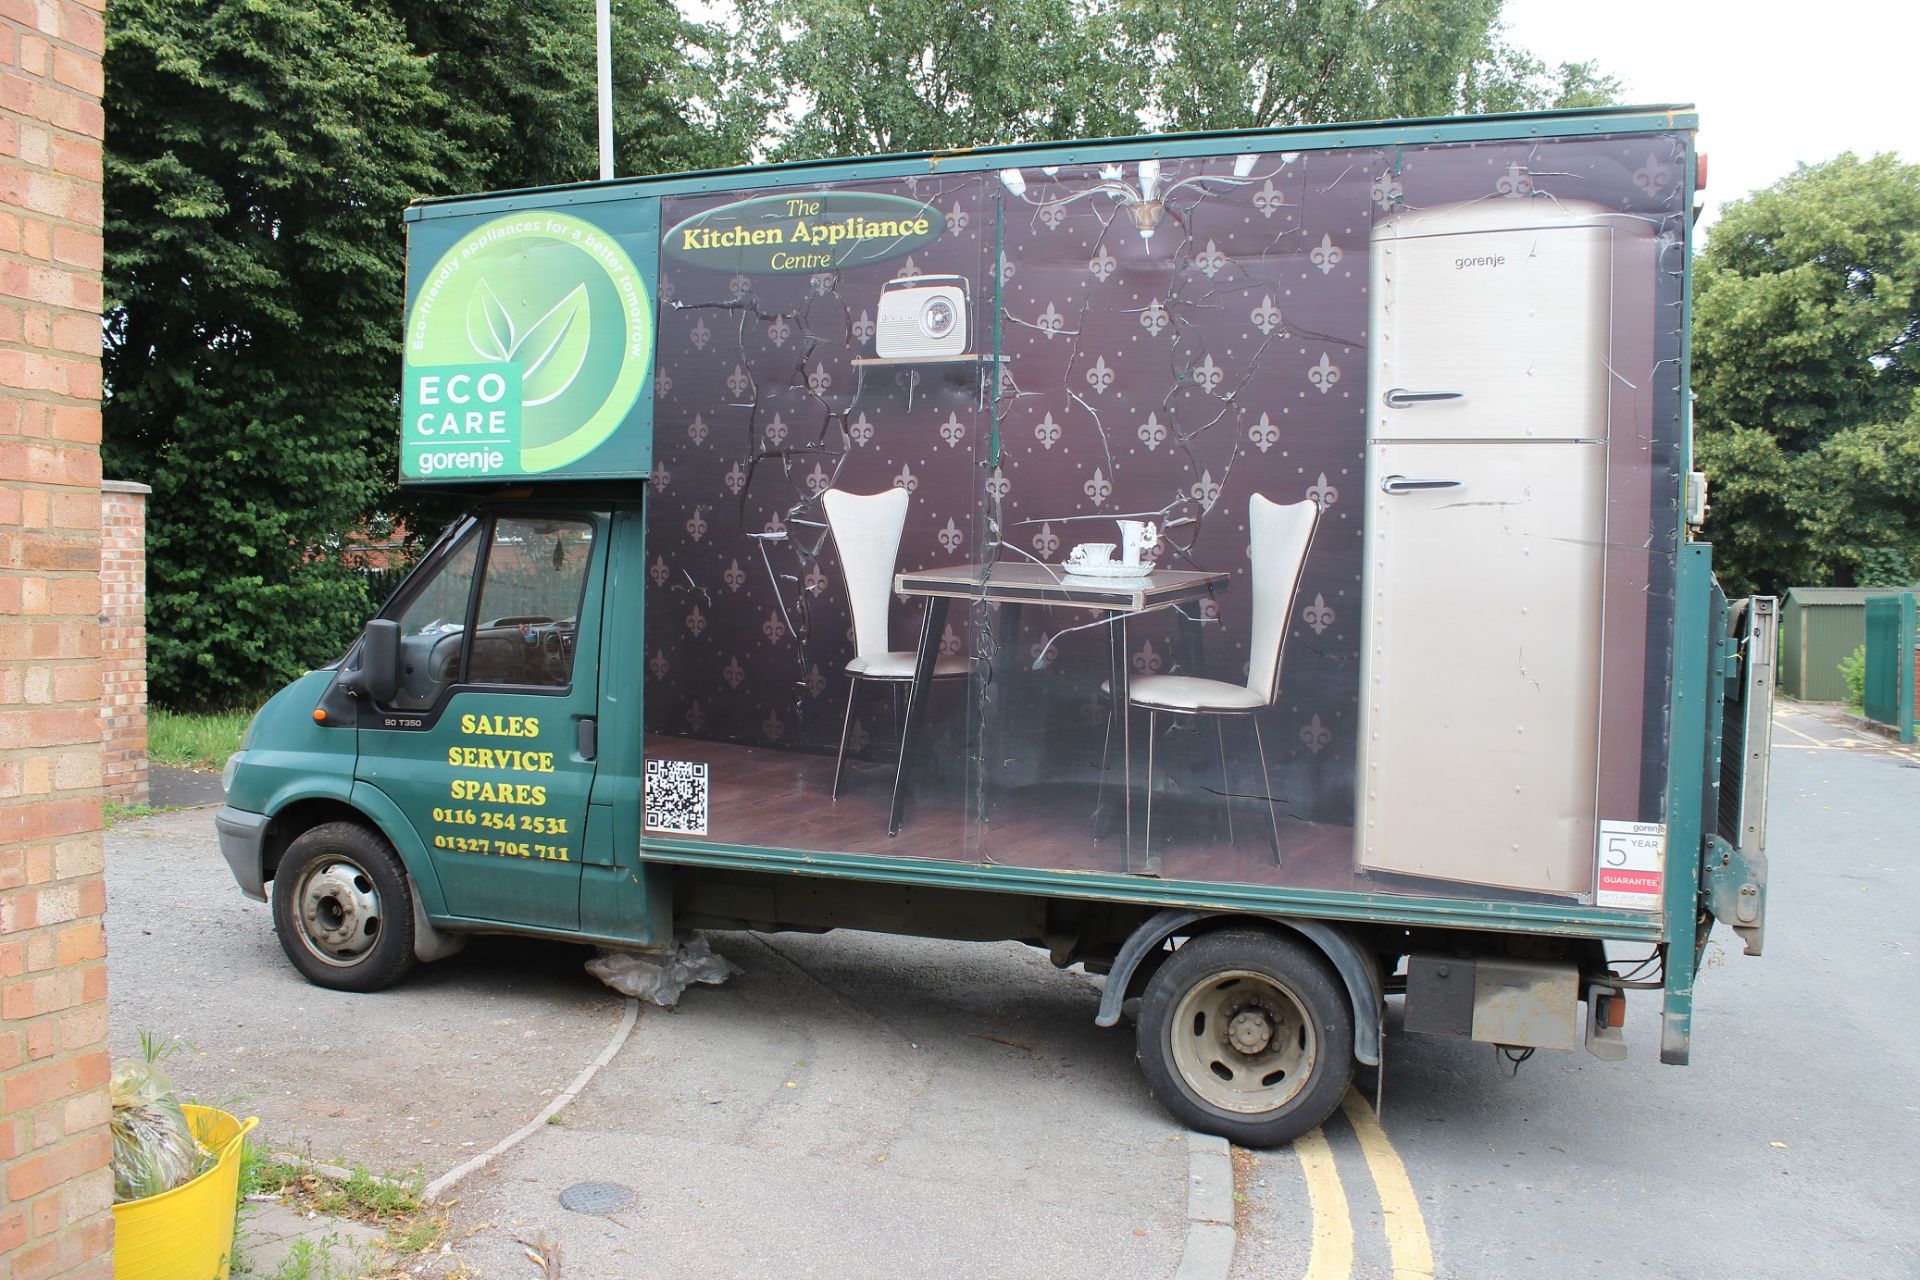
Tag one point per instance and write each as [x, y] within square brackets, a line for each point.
[527, 347]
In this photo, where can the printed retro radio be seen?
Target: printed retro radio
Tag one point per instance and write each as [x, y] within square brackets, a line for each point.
[922, 317]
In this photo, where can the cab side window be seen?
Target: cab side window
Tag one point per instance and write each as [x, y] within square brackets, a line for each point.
[530, 594]
[432, 623]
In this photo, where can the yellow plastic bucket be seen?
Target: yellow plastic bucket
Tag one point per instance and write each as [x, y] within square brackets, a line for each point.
[186, 1233]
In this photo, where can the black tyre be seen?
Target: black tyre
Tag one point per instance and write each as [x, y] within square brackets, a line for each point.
[1247, 1034]
[342, 908]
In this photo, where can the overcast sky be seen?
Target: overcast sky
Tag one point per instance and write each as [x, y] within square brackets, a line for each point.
[1775, 84]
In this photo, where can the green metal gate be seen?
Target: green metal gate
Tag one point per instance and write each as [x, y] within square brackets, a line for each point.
[1890, 662]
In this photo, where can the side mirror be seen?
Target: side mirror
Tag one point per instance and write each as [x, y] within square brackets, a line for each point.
[378, 675]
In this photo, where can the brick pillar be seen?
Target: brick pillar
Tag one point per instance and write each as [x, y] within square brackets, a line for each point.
[55, 1188]
[123, 639]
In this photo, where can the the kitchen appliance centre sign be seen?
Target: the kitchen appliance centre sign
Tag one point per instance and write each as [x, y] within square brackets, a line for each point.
[528, 345]
[805, 231]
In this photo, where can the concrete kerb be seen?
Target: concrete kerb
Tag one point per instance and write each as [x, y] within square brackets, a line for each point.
[446, 1181]
[1208, 1253]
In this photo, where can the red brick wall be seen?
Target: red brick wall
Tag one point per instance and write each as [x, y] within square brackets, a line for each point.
[123, 639]
[55, 1190]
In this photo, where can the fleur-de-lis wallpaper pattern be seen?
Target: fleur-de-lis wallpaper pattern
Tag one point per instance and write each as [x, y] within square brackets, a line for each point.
[1181, 372]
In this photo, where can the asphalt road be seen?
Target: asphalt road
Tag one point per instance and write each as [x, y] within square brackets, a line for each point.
[1786, 1149]
[856, 1105]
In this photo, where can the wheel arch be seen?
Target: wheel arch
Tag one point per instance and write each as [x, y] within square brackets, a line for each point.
[298, 816]
[295, 819]
[1354, 963]
[294, 815]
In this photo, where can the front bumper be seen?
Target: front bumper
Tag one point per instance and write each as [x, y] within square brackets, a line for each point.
[243, 838]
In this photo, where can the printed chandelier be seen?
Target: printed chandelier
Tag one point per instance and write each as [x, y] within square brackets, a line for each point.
[1145, 203]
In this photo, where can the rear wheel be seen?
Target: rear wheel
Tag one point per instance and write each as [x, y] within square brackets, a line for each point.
[342, 909]
[1248, 1035]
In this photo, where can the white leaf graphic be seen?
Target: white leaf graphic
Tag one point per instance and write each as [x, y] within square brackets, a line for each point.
[489, 328]
[557, 348]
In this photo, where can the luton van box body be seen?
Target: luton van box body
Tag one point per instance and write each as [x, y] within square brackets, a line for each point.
[1271, 541]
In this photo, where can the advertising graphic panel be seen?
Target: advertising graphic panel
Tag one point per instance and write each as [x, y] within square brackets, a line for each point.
[528, 345]
[1293, 519]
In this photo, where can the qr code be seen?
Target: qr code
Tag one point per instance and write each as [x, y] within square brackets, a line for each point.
[677, 797]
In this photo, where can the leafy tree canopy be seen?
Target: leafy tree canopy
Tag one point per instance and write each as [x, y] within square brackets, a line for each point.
[1807, 301]
[848, 77]
[864, 77]
[1205, 64]
[1806, 365]
[258, 158]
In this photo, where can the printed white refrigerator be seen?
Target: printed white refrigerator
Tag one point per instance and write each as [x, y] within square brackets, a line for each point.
[1485, 542]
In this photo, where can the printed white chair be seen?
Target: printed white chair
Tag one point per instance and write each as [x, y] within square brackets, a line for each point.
[866, 531]
[1278, 538]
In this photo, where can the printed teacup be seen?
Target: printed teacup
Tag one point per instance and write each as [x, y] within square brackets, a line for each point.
[1091, 553]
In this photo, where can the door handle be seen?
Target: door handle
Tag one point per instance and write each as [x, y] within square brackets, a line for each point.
[1401, 398]
[589, 738]
[1402, 484]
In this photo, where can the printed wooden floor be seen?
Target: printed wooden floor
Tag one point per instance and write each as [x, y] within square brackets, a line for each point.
[782, 799]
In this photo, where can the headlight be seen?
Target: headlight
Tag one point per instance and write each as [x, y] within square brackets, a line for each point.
[226, 774]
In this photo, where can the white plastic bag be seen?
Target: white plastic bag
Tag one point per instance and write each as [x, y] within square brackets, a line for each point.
[661, 976]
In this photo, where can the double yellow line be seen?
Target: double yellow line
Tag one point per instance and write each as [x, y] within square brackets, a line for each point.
[1406, 1228]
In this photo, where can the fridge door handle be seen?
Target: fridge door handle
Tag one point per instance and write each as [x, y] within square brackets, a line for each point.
[1401, 398]
[1404, 484]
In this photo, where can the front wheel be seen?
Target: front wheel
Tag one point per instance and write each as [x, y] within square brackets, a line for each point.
[342, 909]
[1248, 1035]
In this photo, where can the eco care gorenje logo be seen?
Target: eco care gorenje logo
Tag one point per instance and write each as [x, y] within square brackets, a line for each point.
[527, 346]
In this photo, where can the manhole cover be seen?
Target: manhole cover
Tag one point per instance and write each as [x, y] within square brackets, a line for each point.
[595, 1197]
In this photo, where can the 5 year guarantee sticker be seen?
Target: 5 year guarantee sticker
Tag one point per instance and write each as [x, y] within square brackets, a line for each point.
[1633, 858]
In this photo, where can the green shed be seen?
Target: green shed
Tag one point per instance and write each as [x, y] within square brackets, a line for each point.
[1820, 626]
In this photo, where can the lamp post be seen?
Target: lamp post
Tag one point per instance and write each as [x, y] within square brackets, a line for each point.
[603, 24]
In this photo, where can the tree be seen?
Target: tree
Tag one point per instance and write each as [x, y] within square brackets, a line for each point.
[517, 77]
[1205, 64]
[866, 77]
[893, 75]
[1806, 367]
[259, 157]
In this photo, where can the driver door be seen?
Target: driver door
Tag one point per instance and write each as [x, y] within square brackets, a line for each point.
[499, 657]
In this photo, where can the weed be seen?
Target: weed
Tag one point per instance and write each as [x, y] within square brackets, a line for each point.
[556, 1118]
[390, 1202]
[194, 740]
[262, 1173]
[155, 1049]
[1853, 669]
[417, 1236]
[361, 1195]
[327, 1258]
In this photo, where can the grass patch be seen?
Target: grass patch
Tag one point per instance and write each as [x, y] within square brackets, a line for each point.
[129, 812]
[392, 1203]
[194, 739]
[363, 1196]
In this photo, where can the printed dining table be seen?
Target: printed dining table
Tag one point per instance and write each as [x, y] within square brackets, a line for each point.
[1010, 587]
